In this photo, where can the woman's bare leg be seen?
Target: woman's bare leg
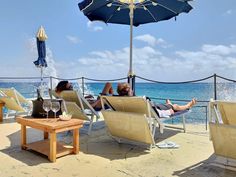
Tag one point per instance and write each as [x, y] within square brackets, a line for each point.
[177, 107]
[107, 89]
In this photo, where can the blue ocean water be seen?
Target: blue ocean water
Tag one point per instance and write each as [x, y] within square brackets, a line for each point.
[157, 92]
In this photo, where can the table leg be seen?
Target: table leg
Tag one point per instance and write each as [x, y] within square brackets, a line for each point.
[53, 147]
[1, 111]
[45, 135]
[23, 137]
[76, 141]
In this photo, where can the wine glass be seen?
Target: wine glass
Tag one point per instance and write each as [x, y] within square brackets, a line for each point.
[47, 106]
[55, 107]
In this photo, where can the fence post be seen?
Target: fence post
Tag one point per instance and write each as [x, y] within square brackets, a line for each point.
[131, 81]
[206, 109]
[133, 84]
[215, 93]
[83, 85]
[51, 82]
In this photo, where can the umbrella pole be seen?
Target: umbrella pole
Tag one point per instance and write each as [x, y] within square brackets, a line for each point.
[131, 15]
[41, 81]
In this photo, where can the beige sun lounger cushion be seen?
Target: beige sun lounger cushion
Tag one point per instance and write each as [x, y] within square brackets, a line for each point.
[228, 112]
[11, 104]
[224, 139]
[77, 97]
[131, 126]
[12, 92]
[76, 104]
[75, 110]
[128, 104]
[137, 105]
[222, 125]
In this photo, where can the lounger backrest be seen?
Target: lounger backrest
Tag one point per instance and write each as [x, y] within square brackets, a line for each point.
[76, 96]
[12, 92]
[71, 95]
[228, 112]
[128, 104]
[75, 110]
[132, 126]
[11, 103]
[53, 94]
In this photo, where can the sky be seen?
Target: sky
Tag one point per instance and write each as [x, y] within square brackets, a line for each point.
[196, 45]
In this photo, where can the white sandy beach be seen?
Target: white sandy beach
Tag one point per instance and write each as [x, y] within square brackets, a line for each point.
[101, 156]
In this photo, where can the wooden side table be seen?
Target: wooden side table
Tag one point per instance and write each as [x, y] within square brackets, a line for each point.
[1, 111]
[50, 147]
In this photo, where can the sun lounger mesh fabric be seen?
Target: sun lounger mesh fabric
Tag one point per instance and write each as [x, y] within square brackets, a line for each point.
[11, 92]
[11, 104]
[224, 139]
[228, 112]
[129, 126]
[75, 110]
[223, 127]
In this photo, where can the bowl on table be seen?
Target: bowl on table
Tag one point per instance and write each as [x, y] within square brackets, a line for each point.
[65, 117]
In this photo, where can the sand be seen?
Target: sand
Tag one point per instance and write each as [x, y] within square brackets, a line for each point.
[101, 156]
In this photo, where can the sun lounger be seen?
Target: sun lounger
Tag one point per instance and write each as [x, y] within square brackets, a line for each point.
[222, 125]
[13, 100]
[76, 104]
[133, 105]
[131, 126]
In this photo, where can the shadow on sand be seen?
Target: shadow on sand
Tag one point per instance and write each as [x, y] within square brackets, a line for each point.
[214, 166]
[98, 143]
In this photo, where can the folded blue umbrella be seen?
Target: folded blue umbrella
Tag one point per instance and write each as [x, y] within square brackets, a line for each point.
[41, 47]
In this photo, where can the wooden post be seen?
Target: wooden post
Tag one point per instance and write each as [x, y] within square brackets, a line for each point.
[45, 135]
[1, 111]
[23, 137]
[76, 141]
[53, 147]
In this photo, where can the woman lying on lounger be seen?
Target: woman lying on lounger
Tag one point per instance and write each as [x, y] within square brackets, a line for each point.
[95, 103]
[163, 110]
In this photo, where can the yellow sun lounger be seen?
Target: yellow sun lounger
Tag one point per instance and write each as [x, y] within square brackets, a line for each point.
[13, 93]
[130, 126]
[78, 106]
[13, 100]
[129, 110]
[222, 125]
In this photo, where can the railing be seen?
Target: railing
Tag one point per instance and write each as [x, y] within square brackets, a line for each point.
[83, 80]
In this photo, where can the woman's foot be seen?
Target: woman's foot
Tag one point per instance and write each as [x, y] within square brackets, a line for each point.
[168, 102]
[192, 102]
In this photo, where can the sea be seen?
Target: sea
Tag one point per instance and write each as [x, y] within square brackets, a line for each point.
[177, 93]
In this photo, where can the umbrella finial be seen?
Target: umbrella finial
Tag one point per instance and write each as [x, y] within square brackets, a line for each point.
[41, 35]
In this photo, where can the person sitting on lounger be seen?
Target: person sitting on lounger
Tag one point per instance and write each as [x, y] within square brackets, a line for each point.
[95, 103]
[163, 110]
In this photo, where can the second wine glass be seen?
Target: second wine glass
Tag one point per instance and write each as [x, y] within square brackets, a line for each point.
[55, 107]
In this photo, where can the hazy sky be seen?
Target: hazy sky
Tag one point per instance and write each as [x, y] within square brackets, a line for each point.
[196, 45]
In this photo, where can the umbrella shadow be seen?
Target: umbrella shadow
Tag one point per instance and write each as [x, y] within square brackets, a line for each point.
[213, 166]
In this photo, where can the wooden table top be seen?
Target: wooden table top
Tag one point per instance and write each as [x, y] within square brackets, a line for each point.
[50, 123]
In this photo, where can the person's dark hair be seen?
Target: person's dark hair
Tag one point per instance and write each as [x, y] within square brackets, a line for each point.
[123, 89]
[62, 85]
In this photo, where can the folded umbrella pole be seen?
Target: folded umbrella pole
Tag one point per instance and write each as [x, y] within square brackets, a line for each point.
[41, 47]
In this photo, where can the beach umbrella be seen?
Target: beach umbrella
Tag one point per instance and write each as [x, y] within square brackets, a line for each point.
[41, 47]
[133, 13]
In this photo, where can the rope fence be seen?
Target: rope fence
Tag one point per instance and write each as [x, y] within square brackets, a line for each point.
[83, 80]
